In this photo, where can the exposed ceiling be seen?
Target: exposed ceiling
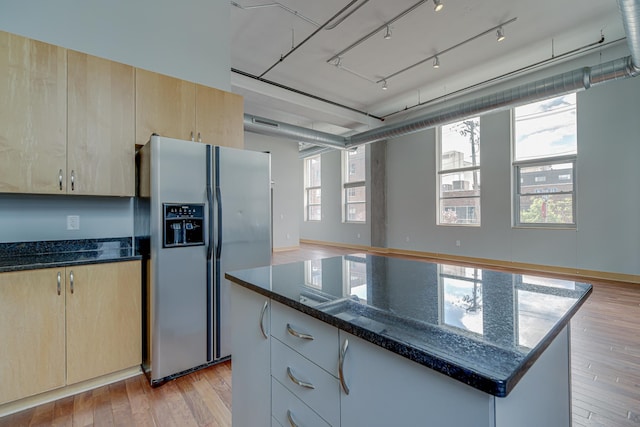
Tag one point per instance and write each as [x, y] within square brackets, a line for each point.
[289, 43]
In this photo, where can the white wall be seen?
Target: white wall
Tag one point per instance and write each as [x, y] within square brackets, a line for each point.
[287, 186]
[185, 39]
[331, 228]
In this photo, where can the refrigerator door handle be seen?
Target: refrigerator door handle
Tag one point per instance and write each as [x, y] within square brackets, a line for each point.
[210, 205]
[219, 203]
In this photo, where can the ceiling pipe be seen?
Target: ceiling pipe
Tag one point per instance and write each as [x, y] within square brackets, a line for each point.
[572, 81]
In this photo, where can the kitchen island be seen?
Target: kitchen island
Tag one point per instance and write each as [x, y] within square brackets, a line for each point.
[373, 340]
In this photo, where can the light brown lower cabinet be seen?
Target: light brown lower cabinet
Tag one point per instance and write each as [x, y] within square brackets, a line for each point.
[61, 326]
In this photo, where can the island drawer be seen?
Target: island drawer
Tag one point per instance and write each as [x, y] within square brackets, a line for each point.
[315, 340]
[287, 409]
[310, 383]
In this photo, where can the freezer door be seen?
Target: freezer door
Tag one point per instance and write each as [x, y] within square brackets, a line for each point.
[179, 274]
[243, 231]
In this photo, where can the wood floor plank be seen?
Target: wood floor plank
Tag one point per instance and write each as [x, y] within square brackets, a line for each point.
[83, 409]
[141, 413]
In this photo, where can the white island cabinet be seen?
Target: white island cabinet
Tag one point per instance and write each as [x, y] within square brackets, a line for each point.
[390, 350]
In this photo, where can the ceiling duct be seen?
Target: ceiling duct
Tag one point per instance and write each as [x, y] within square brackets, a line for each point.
[572, 81]
[283, 130]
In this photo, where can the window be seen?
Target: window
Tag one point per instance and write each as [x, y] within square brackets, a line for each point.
[312, 189]
[354, 185]
[544, 164]
[459, 173]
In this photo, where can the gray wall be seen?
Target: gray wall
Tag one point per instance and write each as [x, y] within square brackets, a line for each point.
[188, 40]
[185, 39]
[287, 186]
[608, 235]
[331, 228]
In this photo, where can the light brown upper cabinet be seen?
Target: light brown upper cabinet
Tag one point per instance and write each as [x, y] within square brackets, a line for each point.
[184, 110]
[219, 117]
[164, 105]
[100, 150]
[33, 114]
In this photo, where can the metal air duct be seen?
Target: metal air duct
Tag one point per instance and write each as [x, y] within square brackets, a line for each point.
[283, 130]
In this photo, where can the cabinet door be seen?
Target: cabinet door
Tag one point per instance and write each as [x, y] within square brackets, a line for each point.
[101, 140]
[219, 117]
[164, 105]
[33, 107]
[386, 389]
[250, 346]
[31, 332]
[103, 319]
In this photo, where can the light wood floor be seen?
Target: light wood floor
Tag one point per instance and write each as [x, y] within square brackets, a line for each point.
[605, 367]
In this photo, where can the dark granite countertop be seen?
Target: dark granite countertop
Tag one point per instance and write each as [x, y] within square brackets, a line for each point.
[482, 327]
[61, 253]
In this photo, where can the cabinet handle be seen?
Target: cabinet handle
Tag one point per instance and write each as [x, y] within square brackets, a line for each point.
[59, 282]
[292, 423]
[297, 334]
[60, 179]
[341, 355]
[71, 281]
[297, 381]
[192, 136]
[73, 180]
[264, 310]
[199, 137]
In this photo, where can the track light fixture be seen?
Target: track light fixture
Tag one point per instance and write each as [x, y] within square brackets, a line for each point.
[384, 85]
[436, 62]
[437, 5]
[500, 34]
[387, 35]
[338, 62]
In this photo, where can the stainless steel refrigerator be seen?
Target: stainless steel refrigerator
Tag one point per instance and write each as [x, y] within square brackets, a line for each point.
[208, 210]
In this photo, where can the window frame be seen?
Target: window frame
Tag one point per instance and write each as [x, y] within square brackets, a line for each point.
[440, 172]
[543, 160]
[308, 189]
[352, 186]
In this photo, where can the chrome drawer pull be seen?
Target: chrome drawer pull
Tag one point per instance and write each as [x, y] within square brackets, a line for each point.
[297, 334]
[71, 280]
[73, 180]
[264, 310]
[292, 423]
[297, 381]
[341, 355]
[60, 178]
[59, 281]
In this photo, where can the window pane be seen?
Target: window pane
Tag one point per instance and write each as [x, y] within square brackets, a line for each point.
[460, 184]
[314, 196]
[546, 178]
[546, 128]
[460, 144]
[356, 194]
[356, 212]
[355, 167]
[315, 213]
[546, 209]
[313, 172]
[460, 211]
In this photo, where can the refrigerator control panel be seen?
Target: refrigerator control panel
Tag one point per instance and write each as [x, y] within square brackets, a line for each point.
[183, 225]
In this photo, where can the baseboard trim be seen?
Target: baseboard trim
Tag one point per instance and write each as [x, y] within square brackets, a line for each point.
[286, 248]
[580, 274]
[70, 390]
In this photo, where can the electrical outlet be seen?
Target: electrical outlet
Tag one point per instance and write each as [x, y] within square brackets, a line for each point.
[358, 235]
[458, 243]
[73, 222]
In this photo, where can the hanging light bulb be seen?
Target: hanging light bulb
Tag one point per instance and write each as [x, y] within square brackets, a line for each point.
[387, 35]
[384, 85]
[436, 62]
[500, 34]
[437, 5]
